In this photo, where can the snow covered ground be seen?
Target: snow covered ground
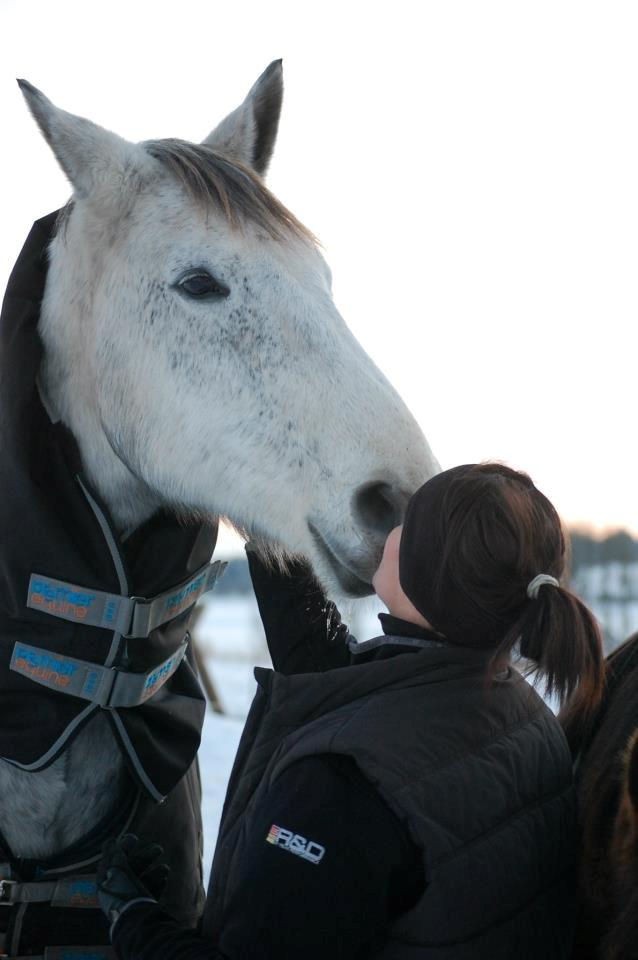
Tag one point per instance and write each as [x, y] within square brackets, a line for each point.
[216, 754]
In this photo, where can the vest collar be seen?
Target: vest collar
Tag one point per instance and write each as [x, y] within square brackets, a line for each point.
[396, 627]
[361, 648]
[304, 697]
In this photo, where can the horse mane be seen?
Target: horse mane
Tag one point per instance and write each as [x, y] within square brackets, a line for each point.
[212, 179]
[618, 664]
[63, 218]
[602, 775]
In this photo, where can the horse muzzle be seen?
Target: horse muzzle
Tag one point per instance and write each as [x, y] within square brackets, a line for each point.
[353, 574]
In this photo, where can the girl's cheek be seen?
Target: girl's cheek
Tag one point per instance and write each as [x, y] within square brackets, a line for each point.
[376, 578]
[380, 584]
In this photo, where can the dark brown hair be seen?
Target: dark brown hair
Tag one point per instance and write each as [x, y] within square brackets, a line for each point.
[235, 189]
[212, 180]
[501, 532]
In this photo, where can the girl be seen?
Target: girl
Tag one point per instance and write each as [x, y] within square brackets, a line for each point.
[409, 796]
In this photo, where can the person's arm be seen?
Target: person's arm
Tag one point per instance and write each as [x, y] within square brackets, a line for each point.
[325, 868]
[303, 628]
[145, 932]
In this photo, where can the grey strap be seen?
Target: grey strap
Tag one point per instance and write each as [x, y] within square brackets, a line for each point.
[78, 891]
[128, 616]
[104, 686]
[74, 953]
[149, 614]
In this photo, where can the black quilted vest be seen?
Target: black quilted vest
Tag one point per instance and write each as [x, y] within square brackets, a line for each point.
[481, 777]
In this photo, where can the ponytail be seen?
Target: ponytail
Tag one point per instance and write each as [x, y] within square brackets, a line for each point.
[496, 551]
[560, 636]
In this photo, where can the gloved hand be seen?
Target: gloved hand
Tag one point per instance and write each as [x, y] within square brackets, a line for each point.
[303, 629]
[130, 871]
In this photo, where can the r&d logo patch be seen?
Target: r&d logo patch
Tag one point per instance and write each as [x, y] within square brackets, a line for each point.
[293, 843]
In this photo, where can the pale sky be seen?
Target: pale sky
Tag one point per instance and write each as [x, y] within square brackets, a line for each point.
[471, 169]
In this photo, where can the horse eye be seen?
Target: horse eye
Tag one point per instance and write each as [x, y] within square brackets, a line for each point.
[201, 286]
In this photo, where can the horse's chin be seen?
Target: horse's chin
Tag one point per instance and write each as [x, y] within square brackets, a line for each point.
[335, 568]
[352, 576]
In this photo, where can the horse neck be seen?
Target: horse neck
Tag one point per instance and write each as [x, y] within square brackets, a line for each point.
[66, 391]
[44, 812]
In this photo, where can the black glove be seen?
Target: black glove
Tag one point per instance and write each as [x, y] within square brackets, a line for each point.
[303, 629]
[130, 870]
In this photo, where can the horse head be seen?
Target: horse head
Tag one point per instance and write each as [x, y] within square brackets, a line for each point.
[192, 345]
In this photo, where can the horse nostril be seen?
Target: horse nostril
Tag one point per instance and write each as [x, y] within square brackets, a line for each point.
[378, 507]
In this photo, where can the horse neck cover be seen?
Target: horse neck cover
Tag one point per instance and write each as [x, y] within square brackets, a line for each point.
[53, 525]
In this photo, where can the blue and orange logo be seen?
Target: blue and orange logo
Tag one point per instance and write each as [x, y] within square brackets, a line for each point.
[83, 893]
[44, 667]
[60, 600]
[155, 680]
[184, 597]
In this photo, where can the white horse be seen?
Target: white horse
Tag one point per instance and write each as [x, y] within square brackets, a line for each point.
[192, 346]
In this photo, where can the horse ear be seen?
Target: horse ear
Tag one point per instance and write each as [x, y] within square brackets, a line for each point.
[90, 156]
[248, 133]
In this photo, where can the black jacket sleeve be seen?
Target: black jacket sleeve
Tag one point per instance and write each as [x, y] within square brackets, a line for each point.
[326, 868]
[303, 628]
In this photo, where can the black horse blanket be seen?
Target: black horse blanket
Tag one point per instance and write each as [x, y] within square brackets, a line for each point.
[64, 653]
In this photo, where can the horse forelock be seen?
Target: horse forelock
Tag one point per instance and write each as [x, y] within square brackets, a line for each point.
[211, 179]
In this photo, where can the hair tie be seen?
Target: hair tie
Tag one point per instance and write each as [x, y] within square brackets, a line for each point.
[534, 585]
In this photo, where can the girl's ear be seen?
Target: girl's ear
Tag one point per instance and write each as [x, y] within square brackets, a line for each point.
[248, 133]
